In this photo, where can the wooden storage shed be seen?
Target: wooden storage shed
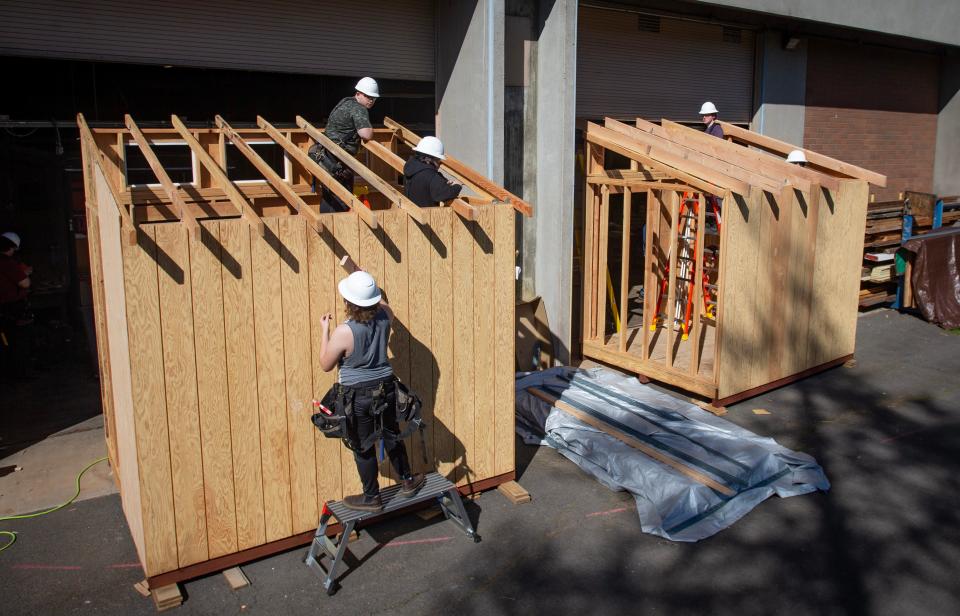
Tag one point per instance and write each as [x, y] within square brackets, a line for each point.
[714, 265]
[212, 267]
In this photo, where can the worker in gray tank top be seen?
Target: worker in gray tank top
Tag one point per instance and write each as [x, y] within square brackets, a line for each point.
[358, 346]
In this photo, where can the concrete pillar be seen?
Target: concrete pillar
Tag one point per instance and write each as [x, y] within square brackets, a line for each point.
[470, 82]
[781, 84]
[549, 235]
[946, 167]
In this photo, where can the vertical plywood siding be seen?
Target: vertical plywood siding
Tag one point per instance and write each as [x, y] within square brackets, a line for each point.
[790, 279]
[224, 358]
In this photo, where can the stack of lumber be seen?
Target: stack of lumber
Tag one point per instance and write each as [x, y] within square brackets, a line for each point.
[951, 210]
[882, 236]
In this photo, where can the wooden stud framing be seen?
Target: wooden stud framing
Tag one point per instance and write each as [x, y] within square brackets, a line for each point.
[220, 177]
[625, 270]
[669, 314]
[278, 183]
[186, 216]
[96, 157]
[813, 158]
[701, 236]
[320, 173]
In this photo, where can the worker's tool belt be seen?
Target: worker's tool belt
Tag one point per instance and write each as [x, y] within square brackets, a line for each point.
[375, 397]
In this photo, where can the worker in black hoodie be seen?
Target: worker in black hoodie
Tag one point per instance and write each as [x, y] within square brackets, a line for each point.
[423, 183]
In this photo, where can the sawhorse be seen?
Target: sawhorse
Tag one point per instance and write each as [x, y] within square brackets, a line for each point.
[435, 487]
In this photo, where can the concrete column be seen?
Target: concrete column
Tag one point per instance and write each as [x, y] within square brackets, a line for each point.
[946, 166]
[551, 239]
[470, 82]
[781, 85]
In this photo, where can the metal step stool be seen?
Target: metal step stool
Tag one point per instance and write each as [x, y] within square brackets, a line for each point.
[435, 487]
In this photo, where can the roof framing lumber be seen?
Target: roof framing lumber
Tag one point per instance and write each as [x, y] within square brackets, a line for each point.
[94, 154]
[338, 189]
[462, 170]
[813, 158]
[220, 177]
[186, 216]
[775, 168]
[278, 183]
[712, 170]
[381, 185]
[638, 151]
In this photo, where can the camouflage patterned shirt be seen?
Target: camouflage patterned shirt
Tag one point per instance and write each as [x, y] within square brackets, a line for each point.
[347, 117]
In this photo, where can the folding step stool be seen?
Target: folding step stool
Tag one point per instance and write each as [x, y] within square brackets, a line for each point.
[435, 486]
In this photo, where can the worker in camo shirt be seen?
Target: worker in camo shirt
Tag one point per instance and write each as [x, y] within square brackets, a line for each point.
[347, 124]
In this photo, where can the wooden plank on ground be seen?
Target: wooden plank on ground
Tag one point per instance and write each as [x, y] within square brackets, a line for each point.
[180, 377]
[149, 404]
[323, 300]
[295, 282]
[504, 297]
[483, 458]
[656, 454]
[463, 345]
[236, 578]
[443, 334]
[514, 492]
[212, 390]
[268, 326]
[237, 276]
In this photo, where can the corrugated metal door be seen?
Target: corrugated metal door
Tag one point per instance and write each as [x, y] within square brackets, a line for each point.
[385, 38]
[631, 65]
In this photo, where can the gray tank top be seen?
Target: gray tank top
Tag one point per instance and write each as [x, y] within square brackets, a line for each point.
[368, 361]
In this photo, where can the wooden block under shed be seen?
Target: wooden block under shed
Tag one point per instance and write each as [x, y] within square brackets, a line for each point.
[236, 578]
[167, 597]
[515, 492]
[143, 588]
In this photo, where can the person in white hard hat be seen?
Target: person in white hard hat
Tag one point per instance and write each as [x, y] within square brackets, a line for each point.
[347, 124]
[797, 157]
[423, 183]
[14, 309]
[708, 111]
[358, 346]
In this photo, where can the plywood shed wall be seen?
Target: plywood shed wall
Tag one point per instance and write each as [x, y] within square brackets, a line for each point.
[208, 331]
[780, 273]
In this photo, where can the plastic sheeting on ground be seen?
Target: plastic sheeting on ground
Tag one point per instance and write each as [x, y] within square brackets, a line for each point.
[670, 504]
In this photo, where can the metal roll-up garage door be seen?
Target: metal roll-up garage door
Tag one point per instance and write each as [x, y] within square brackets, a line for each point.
[391, 39]
[631, 64]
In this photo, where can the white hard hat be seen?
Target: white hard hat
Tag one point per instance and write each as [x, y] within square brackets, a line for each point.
[708, 108]
[431, 146]
[796, 156]
[13, 237]
[368, 85]
[360, 289]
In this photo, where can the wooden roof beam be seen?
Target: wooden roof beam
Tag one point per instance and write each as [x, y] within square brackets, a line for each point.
[220, 177]
[377, 182]
[639, 152]
[278, 183]
[711, 169]
[129, 229]
[593, 136]
[186, 216]
[772, 167]
[338, 189]
[460, 169]
[813, 159]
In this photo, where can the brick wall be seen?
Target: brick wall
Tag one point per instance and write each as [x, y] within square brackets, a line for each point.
[874, 107]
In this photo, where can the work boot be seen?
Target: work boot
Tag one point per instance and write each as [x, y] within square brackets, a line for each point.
[411, 486]
[362, 502]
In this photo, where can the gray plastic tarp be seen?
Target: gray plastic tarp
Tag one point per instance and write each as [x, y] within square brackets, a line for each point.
[670, 504]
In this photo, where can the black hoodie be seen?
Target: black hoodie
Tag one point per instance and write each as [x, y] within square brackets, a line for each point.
[424, 185]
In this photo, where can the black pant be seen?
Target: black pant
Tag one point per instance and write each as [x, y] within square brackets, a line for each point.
[365, 425]
[342, 174]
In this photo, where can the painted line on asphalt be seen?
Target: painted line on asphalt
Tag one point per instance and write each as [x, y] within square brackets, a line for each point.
[607, 512]
[393, 544]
